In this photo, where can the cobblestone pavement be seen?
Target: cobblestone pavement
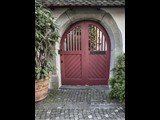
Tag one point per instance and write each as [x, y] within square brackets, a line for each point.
[79, 104]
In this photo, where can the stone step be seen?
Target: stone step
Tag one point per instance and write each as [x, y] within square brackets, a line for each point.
[85, 87]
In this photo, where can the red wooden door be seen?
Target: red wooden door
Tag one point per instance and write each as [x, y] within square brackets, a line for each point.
[85, 54]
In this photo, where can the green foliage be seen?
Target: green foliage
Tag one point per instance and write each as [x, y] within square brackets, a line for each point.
[92, 37]
[45, 39]
[117, 82]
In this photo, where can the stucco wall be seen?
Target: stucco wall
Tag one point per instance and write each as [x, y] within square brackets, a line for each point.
[112, 19]
[118, 15]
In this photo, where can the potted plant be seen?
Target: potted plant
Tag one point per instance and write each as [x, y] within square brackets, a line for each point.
[45, 39]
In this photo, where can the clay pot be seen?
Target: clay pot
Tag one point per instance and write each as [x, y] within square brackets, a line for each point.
[41, 89]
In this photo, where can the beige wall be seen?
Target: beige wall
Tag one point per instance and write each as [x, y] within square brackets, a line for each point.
[119, 16]
[113, 20]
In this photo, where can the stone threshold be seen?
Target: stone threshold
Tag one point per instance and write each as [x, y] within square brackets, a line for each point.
[85, 87]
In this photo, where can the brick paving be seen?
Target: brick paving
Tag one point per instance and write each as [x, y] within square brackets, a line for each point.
[79, 104]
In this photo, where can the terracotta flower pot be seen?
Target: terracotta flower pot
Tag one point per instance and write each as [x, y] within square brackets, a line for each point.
[41, 89]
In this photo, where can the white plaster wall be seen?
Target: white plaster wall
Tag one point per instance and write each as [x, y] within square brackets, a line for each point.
[57, 12]
[58, 65]
[119, 16]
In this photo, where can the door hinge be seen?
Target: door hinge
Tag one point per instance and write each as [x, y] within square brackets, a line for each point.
[59, 51]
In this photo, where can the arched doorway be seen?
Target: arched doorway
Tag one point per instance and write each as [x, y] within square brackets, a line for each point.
[85, 54]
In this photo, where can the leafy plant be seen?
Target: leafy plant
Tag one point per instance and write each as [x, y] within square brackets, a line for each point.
[117, 82]
[46, 36]
[92, 37]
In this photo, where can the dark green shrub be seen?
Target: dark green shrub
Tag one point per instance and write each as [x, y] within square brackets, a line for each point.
[117, 82]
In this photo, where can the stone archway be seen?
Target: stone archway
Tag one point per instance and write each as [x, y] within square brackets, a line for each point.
[70, 16]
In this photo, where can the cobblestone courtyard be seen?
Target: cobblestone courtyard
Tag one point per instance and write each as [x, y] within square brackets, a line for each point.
[79, 104]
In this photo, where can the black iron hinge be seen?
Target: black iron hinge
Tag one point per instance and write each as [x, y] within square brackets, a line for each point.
[59, 51]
